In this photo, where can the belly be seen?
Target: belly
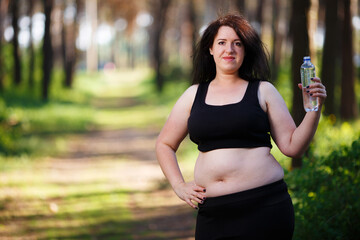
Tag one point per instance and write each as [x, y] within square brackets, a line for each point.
[226, 171]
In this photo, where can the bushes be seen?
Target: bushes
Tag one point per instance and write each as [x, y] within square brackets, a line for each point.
[326, 195]
[9, 130]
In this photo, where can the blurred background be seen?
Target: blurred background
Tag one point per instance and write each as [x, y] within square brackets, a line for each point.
[85, 87]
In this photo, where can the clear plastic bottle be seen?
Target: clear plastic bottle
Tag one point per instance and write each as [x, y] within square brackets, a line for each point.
[307, 71]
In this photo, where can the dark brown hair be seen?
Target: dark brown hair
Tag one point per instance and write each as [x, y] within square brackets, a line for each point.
[255, 65]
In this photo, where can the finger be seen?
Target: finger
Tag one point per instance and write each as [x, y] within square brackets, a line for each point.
[316, 91]
[300, 85]
[189, 202]
[198, 199]
[316, 86]
[199, 189]
[199, 196]
[319, 95]
[316, 79]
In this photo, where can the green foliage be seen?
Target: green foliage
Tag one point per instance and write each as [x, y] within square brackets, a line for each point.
[26, 120]
[9, 130]
[326, 193]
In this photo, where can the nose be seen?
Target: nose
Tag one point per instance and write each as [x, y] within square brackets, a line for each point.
[229, 48]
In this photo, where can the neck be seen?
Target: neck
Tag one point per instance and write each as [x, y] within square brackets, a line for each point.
[227, 78]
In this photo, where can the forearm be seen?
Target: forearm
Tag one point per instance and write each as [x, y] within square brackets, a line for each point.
[168, 162]
[304, 133]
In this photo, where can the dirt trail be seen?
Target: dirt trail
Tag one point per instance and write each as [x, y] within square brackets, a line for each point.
[128, 160]
[97, 167]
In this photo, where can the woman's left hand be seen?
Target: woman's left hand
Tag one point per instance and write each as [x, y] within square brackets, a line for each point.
[316, 89]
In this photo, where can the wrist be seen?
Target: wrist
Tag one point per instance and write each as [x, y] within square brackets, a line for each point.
[178, 184]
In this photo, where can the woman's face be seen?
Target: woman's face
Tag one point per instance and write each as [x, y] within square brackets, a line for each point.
[227, 50]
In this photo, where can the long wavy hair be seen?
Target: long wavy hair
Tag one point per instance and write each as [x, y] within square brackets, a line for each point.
[255, 65]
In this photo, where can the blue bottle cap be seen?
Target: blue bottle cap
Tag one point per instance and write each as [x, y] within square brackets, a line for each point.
[307, 58]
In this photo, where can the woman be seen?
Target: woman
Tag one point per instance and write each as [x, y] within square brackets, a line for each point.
[229, 112]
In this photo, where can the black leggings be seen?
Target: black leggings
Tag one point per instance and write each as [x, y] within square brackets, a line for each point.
[264, 212]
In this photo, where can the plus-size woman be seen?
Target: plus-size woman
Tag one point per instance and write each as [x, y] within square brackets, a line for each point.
[230, 112]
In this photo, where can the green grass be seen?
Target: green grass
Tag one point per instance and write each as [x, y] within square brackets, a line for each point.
[72, 208]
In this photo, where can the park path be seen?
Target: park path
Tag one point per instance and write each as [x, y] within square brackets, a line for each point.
[130, 163]
[105, 184]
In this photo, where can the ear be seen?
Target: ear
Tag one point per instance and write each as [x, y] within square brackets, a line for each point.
[211, 52]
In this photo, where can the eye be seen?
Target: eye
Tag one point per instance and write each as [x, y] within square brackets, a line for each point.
[239, 44]
[221, 42]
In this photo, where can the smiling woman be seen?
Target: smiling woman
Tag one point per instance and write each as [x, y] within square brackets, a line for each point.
[230, 112]
[227, 50]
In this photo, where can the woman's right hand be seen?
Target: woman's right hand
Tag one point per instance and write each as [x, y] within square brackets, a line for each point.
[190, 193]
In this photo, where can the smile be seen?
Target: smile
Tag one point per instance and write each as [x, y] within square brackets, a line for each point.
[228, 58]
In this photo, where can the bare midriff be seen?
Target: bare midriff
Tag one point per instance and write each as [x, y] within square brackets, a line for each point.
[231, 170]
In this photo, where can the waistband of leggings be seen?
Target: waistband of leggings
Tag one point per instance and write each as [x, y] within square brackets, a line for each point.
[276, 191]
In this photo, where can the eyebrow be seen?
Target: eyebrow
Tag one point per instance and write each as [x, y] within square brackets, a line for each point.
[223, 39]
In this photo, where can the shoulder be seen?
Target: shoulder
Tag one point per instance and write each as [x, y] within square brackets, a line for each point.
[190, 93]
[265, 86]
[268, 91]
[187, 98]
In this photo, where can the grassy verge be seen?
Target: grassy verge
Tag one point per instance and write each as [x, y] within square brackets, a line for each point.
[47, 205]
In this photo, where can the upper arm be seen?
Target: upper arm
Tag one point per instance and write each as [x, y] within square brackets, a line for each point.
[175, 128]
[281, 123]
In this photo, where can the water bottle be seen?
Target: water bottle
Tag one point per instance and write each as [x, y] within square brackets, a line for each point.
[307, 71]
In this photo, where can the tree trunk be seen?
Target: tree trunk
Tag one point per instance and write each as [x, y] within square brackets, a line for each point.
[68, 33]
[312, 27]
[159, 9]
[188, 35]
[240, 5]
[259, 16]
[3, 9]
[16, 50]
[47, 49]
[92, 51]
[277, 36]
[348, 106]
[31, 47]
[330, 54]
[300, 38]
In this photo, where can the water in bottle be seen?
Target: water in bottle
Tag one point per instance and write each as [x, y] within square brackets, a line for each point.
[307, 71]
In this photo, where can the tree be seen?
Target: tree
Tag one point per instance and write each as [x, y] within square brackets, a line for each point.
[69, 54]
[277, 36]
[260, 16]
[188, 34]
[312, 19]
[300, 39]
[240, 5]
[16, 50]
[159, 9]
[348, 106]
[47, 49]
[91, 19]
[193, 22]
[3, 9]
[330, 53]
[31, 46]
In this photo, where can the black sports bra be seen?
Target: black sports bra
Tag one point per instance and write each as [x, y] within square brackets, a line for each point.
[238, 125]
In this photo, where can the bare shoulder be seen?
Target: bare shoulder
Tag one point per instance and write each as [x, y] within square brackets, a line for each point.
[189, 95]
[266, 93]
[186, 100]
[267, 87]
[191, 91]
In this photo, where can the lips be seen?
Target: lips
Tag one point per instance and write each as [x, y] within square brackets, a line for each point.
[229, 58]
